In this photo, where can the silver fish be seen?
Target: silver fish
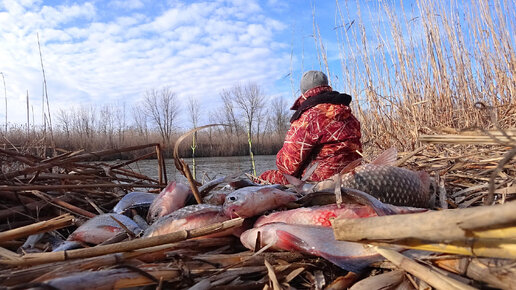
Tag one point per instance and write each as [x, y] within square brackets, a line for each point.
[254, 200]
[322, 215]
[189, 217]
[134, 199]
[170, 199]
[67, 245]
[103, 227]
[208, 186]
[314, 240]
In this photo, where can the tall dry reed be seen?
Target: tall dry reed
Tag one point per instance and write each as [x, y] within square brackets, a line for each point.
[443, 64]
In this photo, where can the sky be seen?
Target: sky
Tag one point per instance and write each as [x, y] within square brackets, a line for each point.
[111, 52]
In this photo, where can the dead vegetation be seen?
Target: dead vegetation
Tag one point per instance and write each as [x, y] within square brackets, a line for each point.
[481, 256]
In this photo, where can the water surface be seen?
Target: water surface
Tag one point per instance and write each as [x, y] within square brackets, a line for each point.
[208, 168]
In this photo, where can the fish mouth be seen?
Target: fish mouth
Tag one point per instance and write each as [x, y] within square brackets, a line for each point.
[230, 212]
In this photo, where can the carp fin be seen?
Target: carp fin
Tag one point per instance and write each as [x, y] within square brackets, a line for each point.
[169, 187]
[426, 182]
[351, 264]
[296, 182]
[352, 165]
[387, 157]
[289, 241]
[309, 171]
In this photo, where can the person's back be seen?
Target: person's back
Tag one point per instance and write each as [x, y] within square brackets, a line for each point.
[322, 131]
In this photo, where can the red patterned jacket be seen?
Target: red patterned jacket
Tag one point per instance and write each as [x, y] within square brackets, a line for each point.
[324, 131]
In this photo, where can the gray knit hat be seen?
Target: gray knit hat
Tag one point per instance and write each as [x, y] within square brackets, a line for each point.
[312, 79]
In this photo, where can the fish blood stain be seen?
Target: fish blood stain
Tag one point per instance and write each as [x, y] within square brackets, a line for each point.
[324, 218]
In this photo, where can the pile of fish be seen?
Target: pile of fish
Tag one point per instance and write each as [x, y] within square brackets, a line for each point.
[287, 218]
[244, 235]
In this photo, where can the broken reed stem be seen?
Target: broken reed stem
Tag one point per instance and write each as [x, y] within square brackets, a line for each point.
[73, 186]
[42, 258]
[507, 157]
[494, 272]
[436, 226]
[60, 269]
[191, 181]
[467, 139]
[73, 208]
[430, 276]
[410, 155]
[183, 167]
[36, 228]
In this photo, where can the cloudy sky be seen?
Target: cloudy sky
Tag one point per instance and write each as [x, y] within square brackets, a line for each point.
[110, 52]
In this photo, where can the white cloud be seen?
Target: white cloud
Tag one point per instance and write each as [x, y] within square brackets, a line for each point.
[126, 4]
[197, 49]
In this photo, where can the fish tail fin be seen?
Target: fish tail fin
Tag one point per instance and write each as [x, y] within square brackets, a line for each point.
[296, 182]
[232, 177]
[425, 184]
[289, 241]
[351, 264]
[387, 157]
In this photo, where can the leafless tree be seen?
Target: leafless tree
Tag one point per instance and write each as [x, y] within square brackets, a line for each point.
[280, 116]
[120, 122]
[105, 125]
[162, 108]
[84, 122]
[228, 114]
[140, 122]
[250, 100]
[64, 119]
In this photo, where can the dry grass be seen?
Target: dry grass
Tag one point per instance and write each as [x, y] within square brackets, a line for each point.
[442, 66]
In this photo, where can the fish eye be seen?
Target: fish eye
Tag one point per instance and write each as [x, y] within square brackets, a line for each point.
[232, 198]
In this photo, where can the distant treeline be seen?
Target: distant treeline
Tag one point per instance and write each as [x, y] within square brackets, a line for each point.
[244, 112]
[441, 65]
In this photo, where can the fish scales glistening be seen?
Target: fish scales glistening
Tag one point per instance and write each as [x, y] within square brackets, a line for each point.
[388, 183]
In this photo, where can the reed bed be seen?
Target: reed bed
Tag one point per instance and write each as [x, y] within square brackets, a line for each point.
[179, 261]
[434, 66]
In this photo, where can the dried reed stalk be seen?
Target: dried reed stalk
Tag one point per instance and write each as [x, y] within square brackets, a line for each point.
[495, 272]
[437, 226]
[422, 272]
[36, 228]
[449, 139]
[42, 258]
[183, 167]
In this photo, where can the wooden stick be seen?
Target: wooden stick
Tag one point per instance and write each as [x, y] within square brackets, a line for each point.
[426, 274]
[42, 258]
[40, 227]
